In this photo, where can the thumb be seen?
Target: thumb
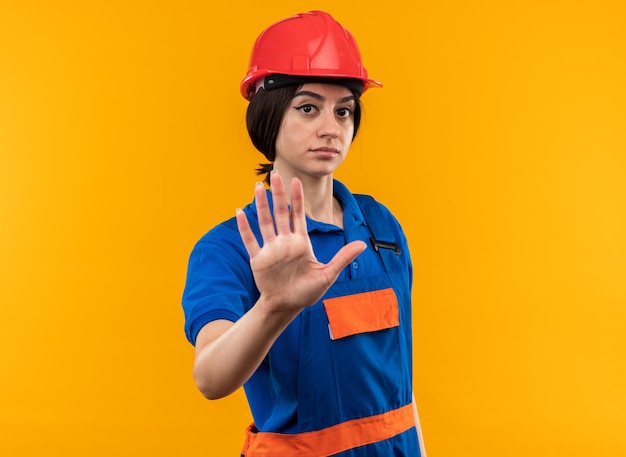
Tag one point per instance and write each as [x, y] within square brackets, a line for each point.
[344, 257]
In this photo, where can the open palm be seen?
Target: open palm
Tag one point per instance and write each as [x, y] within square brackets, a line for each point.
[285, 269]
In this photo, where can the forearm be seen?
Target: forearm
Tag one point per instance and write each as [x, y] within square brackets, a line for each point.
[229, 354]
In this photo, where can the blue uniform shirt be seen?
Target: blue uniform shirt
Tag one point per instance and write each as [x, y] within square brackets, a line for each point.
[219, 280]
[220, 285]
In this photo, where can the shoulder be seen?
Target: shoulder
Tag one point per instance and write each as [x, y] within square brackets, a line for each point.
[357, 201]
[373, 210]
[221, 239]
[221, 248]
[224, 231]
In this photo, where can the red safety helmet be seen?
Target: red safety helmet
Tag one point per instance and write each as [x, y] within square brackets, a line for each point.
[310, 44]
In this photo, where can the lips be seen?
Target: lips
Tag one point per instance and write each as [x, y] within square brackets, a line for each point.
[326, 149]
[325, 153]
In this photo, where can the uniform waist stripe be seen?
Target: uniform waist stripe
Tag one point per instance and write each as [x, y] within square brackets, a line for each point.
[331, 440]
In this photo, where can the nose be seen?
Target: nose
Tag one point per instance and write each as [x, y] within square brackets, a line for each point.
[329, 127]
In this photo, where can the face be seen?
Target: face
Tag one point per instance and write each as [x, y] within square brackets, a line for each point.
[316, 131]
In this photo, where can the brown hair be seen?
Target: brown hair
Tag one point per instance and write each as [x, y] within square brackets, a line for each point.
[264, 118]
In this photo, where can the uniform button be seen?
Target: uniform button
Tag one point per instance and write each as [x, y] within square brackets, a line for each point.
[355, 265]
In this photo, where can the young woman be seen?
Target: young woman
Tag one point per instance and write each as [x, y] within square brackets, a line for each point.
[304, 297]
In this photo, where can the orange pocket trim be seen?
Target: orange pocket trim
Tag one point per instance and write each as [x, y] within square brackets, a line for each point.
[363, 312]
[331, 440]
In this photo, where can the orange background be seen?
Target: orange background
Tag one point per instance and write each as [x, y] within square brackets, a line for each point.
[499, 141]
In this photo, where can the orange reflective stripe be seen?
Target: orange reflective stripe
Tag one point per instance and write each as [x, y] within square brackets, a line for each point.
[331, 440]
[363, 312]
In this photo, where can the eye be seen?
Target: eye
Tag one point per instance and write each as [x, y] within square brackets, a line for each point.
[344, 112]
[306, 108]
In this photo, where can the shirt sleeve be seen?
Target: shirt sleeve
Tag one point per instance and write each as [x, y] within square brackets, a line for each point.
[219, 282]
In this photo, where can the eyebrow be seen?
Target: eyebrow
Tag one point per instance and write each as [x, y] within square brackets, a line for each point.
[320, 98]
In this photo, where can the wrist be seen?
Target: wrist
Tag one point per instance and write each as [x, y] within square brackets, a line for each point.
[276, 310]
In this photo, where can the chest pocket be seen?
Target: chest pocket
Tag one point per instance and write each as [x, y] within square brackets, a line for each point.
[362, 312]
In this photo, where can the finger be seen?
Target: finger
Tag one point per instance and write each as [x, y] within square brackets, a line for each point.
[247, 236]
[298, 217]
[344, 257]
[266, 222]
[281, 207]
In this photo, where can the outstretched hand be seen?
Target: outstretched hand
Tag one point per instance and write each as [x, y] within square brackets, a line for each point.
[285, 269]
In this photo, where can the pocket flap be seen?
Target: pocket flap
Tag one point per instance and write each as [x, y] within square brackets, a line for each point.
[362, 312]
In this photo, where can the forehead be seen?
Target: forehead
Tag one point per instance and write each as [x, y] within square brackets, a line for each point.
[327, 91]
